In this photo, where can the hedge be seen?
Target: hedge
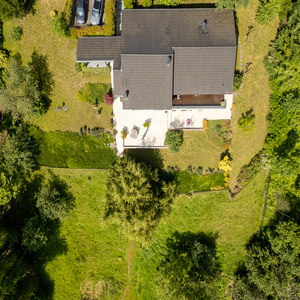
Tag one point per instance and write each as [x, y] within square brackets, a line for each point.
[70, 150]
[187, 183]
[107, 30]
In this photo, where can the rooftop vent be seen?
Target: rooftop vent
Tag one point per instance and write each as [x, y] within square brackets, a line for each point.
[126, 94]
[204, 24]
[169, 60]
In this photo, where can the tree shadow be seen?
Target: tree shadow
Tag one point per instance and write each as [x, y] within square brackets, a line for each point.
[191, 265]
[41, 73]
[226, 153]
[151, 157]
[29, 7]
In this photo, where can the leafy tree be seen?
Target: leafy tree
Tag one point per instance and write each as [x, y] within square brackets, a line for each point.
[35, 234]
[54, 201]
[9, 186]
[272, 265]
[12, 8]
[269, 8]
[20, 96]
[174, 140]
[137, 196]
[231, 4]
[20, 151]
[189, 268]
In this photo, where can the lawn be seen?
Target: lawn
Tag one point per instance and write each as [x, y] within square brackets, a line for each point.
[97, 251]
[255, 89]
[234, 222]
[61, 52]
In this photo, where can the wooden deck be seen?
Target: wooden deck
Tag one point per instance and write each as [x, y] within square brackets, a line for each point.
[200, 100]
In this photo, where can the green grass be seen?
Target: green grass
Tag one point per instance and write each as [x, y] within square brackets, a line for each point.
[199, 149]
[61, 52]
[186, 183]
[97, 251]
[69, 150]
[255, 92]
[233, 221]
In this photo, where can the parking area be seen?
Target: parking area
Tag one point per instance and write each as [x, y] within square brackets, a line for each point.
[88, 6]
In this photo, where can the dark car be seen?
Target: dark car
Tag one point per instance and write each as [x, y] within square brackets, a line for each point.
[80, 16]
[97, 12]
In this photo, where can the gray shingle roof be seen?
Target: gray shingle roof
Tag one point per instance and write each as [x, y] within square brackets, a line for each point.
[148, 79]
[156, 31]
[100, 49]
[204, 70]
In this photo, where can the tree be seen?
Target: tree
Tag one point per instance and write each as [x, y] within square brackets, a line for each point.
[54, 201]
[231, 4]
[137, 196]
[174, 140]
[20, 95]
[9, 186]
[12, 8]
[20, 151]
[189, 268]
[272, 265]
[35, 234]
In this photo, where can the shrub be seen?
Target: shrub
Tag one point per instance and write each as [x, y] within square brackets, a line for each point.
[246, 121]
[129, 3]
[174, 140]
[60, 23]
[146, 124]
[205, 125]
[147, 3]
[190, 170]
[238, 80]
[199, 171]
[233, 106]
[225, 164]
[92, 93]
[16, 33]
[123, 134]
[221, 129]
[109, 99]
[170, 2]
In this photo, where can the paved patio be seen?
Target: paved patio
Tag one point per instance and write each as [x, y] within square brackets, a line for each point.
[179, 118]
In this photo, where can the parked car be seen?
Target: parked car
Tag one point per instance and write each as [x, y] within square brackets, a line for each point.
[80, 15]
[97, 12]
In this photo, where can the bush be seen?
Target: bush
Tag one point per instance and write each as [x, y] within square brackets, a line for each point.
[109, 99]
[246, 121]
[60, 23]
[170, 2]
[129, 3]
[238, 80]
[174, 140]
[16, 33]
[147, 3]
[205, 125]
[92, 93]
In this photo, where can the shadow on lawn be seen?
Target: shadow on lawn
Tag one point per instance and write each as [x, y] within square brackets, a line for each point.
[151, 157]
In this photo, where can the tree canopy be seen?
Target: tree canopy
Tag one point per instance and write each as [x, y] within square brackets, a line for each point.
[137, 196]
[20, 95]
[272, 265]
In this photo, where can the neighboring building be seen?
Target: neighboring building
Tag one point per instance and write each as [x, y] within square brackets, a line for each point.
[173, 66]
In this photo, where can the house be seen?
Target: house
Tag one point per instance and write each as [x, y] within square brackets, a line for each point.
[173, 67]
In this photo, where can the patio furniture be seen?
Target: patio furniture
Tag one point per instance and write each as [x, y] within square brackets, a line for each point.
[188, 122]
[182, 123]
[134, 132]
[65, 108]
[57, 108]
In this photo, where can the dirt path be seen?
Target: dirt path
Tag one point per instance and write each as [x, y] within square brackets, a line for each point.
[128, 271]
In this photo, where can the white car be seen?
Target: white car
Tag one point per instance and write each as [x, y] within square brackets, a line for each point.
[97, 12]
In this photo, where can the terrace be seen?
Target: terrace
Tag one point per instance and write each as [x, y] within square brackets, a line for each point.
[197, 100]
